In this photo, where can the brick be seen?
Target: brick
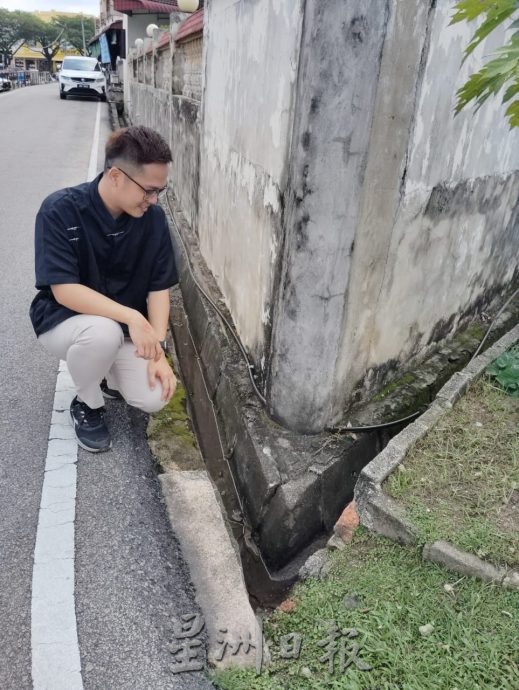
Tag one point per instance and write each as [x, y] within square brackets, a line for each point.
[347, 523]
[287, 606]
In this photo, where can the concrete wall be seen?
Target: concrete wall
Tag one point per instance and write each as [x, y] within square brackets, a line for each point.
[335, 100]
[348, 218]
[246, 130]
[401, 219]
[174, 112]
[439, 229]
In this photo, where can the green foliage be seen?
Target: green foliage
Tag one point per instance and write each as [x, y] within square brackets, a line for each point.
[501, 69]
[459, 481]
[505, 369]
[73, 28]
[473, 643]
[15, 28]
[46, 38]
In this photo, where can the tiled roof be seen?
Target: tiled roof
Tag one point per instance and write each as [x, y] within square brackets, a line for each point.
[164, 7]
[113, 25]
[164, 40]
[192, 25]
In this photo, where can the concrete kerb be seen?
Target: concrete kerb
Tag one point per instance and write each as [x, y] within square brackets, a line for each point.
[464, 563]
[197, 519]
[383, 515]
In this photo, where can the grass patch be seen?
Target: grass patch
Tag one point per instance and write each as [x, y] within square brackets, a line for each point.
[461, 481]
[174, 418]
[170, 437]
[473, 643]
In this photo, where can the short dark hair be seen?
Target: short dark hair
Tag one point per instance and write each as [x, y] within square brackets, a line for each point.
[136, 145]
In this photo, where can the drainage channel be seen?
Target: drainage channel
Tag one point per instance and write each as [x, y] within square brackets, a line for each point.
[266, 589]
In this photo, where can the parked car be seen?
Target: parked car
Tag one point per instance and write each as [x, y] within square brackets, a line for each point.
[81, 76]
[5, 84]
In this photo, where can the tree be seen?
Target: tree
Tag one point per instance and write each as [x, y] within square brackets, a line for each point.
[15, 28]
[501, 69]
[75, 29]
[47, 38]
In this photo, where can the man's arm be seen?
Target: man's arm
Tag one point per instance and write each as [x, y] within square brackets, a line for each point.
[84, 300]
[158, 315]
[158, 312]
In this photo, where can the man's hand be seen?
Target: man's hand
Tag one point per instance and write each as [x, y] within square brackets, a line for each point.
[162, 371]
[144, 338]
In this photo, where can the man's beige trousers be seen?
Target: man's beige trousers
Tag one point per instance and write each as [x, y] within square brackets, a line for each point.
[95, 348]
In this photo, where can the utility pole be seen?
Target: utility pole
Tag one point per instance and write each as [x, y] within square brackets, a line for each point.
[83, 33]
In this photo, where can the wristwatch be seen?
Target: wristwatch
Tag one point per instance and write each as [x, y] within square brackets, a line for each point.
[164, 345]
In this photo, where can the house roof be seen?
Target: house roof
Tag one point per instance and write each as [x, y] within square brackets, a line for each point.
[164, 40]
[192, 25]
[114, 25]
[146, 6]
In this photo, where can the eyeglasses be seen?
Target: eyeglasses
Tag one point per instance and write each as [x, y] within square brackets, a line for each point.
[148, 193]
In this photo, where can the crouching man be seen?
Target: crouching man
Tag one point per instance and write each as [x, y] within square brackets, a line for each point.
[104, 266]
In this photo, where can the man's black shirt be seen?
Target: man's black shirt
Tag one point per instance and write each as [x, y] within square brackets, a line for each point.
[78, 241]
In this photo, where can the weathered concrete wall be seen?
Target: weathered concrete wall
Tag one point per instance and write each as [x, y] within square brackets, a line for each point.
[336, 92]
[159, 103]
[246, 129]
[439, 229]
[185, 144]
[348, 218]
[151, 107]
[400, 217]
[185, 104]
[187, 68]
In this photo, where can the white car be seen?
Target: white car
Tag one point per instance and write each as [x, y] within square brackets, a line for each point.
[81, 76]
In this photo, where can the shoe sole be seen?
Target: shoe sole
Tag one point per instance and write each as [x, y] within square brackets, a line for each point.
[80, 443]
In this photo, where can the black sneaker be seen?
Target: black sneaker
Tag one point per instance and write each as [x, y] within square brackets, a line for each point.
[89, 426]
[110, 393]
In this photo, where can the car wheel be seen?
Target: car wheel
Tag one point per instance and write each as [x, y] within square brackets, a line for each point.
[62, 96]
[103, 98]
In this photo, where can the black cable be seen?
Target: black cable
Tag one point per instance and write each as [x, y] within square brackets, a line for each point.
[204, 293]
[250, 367]
[492, 324]
[373, 427]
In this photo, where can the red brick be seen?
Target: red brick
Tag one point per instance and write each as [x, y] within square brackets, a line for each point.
[347, 523]
[287, 606]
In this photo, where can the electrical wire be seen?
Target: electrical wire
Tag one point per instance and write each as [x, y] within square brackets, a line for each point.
[250, 367]
[492, 324]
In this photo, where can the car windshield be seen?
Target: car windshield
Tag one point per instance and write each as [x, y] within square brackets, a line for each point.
[86, 65]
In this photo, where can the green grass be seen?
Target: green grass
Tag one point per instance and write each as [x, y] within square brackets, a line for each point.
[461, 481]
[174, 418]
[474, 643]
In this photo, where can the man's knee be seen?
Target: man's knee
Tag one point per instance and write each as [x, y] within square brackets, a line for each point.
[103, 333]
[150, 401]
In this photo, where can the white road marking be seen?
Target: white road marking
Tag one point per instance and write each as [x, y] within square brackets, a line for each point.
[56, 662]
[92, 165]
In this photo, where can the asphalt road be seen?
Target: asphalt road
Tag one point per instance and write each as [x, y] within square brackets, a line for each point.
[130, 578]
